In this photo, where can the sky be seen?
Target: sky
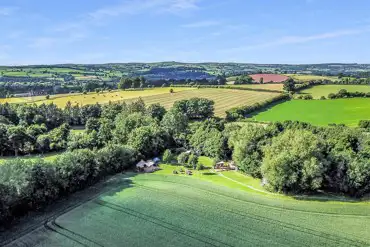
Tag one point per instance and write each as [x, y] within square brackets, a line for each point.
[250, 31]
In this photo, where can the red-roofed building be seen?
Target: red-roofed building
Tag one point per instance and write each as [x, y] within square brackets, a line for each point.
[268, 78]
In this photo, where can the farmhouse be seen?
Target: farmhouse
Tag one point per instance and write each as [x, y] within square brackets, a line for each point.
[225, 166]
[146, 166]
[269, 78]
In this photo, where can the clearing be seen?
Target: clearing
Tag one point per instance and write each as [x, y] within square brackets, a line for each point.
[319, 112]
[177, 210]
[325, 90]
[225, 99]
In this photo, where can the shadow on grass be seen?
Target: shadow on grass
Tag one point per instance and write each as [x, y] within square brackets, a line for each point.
[266, 108]
[209, 173]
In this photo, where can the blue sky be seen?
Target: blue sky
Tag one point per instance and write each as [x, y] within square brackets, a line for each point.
[254, 31]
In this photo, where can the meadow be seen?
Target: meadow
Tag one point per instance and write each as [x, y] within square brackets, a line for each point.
[278, 87]
[319, 112]
[306, 78]
[91, 98]
[172, 210]
[325, 90]
[224, 99]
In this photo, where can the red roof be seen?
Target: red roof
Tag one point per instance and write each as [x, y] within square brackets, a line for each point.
[269, 78]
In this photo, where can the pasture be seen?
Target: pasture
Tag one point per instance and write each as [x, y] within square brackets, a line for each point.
[277, 87]
[325, 90]
[171, 210]
[308, 77]
[319, 112]
[224, 99]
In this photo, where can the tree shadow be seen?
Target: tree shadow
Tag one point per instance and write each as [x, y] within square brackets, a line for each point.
[266, 108]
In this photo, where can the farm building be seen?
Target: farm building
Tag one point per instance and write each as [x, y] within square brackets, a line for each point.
[269, 78]
[225, 166]
[146, 166]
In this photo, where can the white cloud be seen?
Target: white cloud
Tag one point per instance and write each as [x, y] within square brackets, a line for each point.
[135, 7]
[7, 11]
[303, 39]
[201, 24]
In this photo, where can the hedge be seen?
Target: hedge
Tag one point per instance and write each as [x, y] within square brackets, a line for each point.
[242, 111]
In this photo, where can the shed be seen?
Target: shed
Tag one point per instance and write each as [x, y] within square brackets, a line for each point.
[146, 166]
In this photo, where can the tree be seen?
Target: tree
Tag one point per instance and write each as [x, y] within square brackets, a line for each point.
[294, 162]
[136, 82]
[183, 158]
[192, 160]
[17, 137]
[289, 85]
[124, 83]
[167, 156]
[195, 108]
[156, 111]
[261, 80]
[147, 140]
[92, 124]
[174, 122]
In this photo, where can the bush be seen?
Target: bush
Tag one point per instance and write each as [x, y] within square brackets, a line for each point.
[167, 156]
[364, 124]
[183, 158]
[308, 97]
[322, 98]
[200, 166]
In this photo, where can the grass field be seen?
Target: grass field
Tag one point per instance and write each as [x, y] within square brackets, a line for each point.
[47, 157]
[325, 90]
[306, 78]
[92, 98]
[319, 112]
[224, 98]
[171, 210]
[278, 87]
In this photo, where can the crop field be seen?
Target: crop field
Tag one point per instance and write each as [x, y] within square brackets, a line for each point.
[325, 90]
[92, 98]
[278, 87]
[319, 112]
[225, 99]
[170, 210]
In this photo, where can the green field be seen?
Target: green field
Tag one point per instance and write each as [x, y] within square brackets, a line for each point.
[225, 99]
[325, 90]
[171, 210]
[306, 78]
[47, 157]
[319, 112]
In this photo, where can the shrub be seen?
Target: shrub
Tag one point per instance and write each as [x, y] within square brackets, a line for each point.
[308, 97]
[183, 158]
[167, 156]
[322, 98]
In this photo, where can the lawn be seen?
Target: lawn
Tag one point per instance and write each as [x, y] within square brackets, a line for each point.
[319, 112]
[170, 210]
[325, 90]
[225, 99]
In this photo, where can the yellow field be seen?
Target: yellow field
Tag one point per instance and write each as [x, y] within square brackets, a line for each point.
[306, 78]
[102, 98]
[225, 99]
[278, 87]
